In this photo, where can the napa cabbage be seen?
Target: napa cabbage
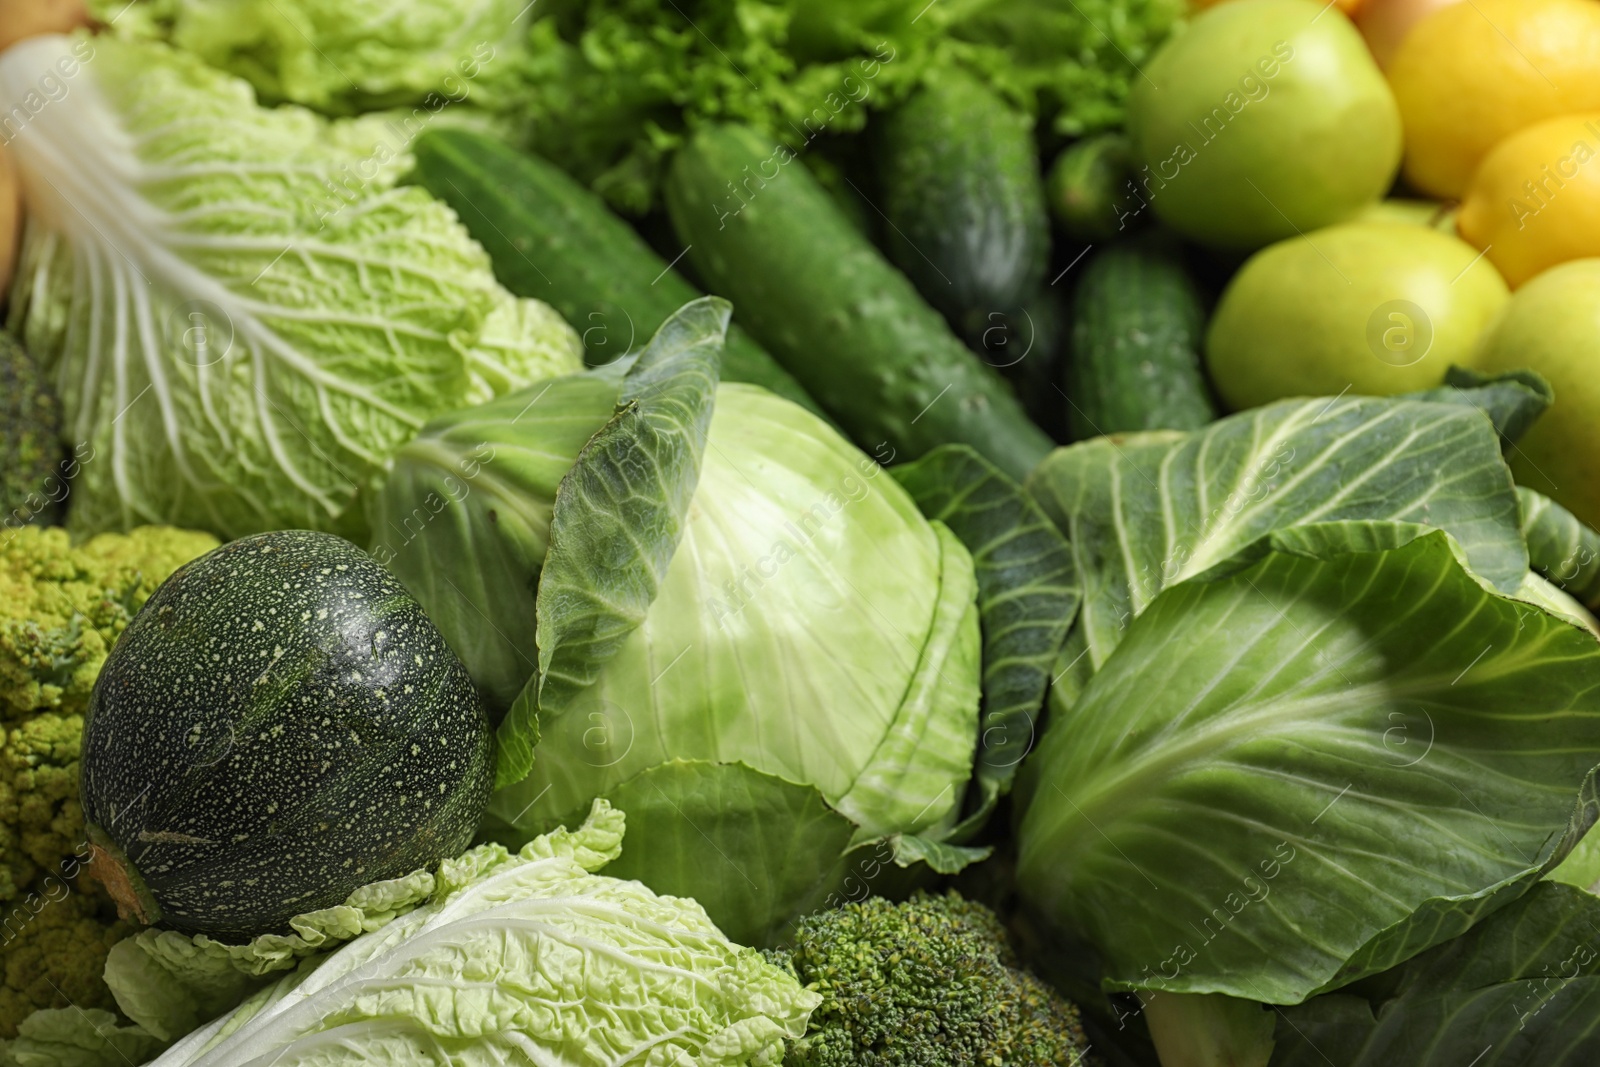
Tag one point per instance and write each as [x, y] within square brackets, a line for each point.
[243, 312]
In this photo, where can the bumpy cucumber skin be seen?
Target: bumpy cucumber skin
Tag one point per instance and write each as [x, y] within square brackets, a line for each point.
[765, 234]
[965, 200]
[1138, 324]
[552, 239]
[278, 726]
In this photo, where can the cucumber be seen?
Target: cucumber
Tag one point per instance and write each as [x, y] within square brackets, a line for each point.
[832, 310]
[1138, 321]
[279, 725]
[964, 200]
[1088, 189]
[1024, 344]
[551, 238]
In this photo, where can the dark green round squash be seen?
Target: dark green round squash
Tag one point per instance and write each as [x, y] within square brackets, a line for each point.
[278, 726]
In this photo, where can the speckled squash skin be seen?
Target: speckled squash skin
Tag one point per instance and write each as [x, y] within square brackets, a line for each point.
[278, 726]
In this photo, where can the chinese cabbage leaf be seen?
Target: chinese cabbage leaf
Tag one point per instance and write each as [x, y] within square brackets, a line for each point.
[244, 315]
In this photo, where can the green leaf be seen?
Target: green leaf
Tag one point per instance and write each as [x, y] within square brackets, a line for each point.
[529, 957]
[1561, 547]
[1027, 598]
[1512, 400]
[619, 511]
[464, 519]
[1310, 761]
[1522, 987]
[243, 314]
[1143, 511]
[727, 835]
[939, 856]
[74, 1037]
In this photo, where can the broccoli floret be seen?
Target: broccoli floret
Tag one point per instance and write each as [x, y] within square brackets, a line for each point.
[61, 607]
[928, 983]
[53, 946]
[32, 484]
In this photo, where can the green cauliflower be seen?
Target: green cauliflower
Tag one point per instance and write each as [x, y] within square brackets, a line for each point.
[61, 609]
[931, 982]
[53, 947]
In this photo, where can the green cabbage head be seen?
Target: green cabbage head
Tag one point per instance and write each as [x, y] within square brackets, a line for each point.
[798, 702]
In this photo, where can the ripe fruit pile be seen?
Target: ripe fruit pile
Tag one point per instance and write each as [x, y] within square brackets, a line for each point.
[1274, 127]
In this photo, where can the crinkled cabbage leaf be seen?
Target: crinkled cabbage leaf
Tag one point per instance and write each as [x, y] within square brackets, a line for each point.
[243, 314]
[340, 56]
[524, 957]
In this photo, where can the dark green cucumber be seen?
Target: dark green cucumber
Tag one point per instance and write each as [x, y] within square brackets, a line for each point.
[1088, 188]
[965, 200]
[1138, 321]
[278, 726]
[832, 310]
[552, 239]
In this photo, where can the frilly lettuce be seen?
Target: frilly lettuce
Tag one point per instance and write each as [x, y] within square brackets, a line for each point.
[524, 957]
[337, 56]
[243, 313]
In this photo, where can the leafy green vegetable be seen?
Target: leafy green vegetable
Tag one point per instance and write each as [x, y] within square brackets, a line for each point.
[171, 983]
[932, 982]
[619, 512]
[72, 1037]
[531, 957]
[811, 626]
[1145, 511]
[1512, 400]
[1027, 598]
[614, 85]
[1310, 761]
[338, 57]
[1560, 547]
[806, 669]
[243, 315]
[1522, 987]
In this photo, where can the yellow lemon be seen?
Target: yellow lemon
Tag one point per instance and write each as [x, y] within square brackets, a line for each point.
[1552, 325]
[1535, 199]
[1470, 75]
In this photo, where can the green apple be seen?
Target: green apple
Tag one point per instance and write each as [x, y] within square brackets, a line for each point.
[1552, 325]
[1373, 308]
[1264, 119]
[1429, 213]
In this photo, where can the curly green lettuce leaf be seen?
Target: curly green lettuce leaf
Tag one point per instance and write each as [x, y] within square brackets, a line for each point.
[529, 957]
[244, 316]
[614, 85]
